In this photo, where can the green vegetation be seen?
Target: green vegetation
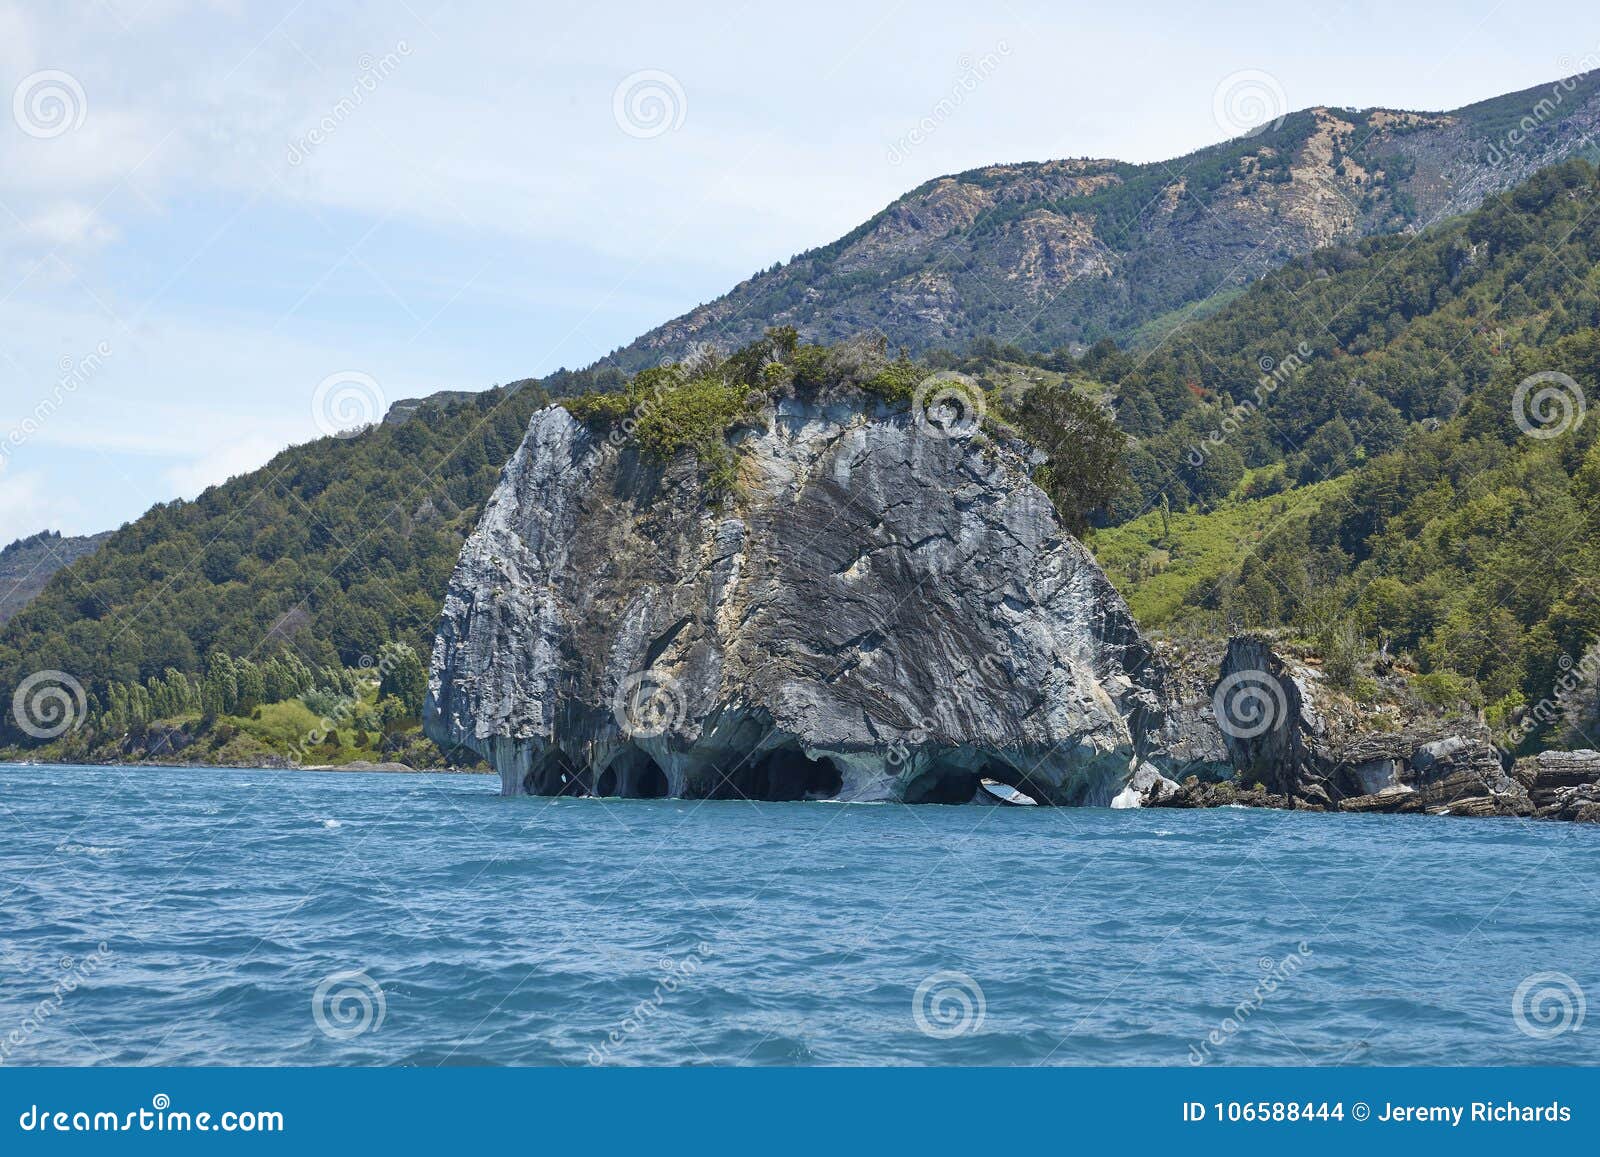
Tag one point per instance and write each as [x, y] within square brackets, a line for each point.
[1085, 470]
[27, 564]
[672, 409]
[1450, 538]
[1066, 252]
[1334, 453]
[331, 551]
[244, 712]
[1169, 564]
[1332, 359]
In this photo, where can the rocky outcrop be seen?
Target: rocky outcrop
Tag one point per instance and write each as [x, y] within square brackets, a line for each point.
[1562, 785]
[886, 609]
[1291, 742]
[1457, 774]
[1264, 713]
[155, 741]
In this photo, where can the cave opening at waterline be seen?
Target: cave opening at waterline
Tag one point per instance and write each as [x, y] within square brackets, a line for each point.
[957, 783]
[632, 774]
[554, 774]
[782, 775]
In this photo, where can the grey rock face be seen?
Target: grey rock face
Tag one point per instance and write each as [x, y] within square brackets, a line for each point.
[1562, 785]
[884, 611]
[1273, 719]
[1265, 715]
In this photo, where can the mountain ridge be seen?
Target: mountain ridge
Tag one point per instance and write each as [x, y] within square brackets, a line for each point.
[27, 564]
[1063, 252]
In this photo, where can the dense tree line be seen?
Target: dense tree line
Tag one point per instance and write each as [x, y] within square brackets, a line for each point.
[1460, 541]
[332, 550]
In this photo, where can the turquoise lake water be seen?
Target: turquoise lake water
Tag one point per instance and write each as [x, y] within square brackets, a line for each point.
[231, 917]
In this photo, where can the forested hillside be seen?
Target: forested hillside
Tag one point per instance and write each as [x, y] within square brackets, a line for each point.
[1382, 449]
[1446, 381]
[27, 564]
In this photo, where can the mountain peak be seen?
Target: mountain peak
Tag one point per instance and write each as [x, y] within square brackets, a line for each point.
[1044, 254]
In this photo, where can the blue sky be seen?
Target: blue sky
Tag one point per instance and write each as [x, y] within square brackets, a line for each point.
[209, 209]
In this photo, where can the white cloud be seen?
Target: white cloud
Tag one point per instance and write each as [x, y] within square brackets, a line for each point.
[29, 503]
[221, 462]
[477, 214]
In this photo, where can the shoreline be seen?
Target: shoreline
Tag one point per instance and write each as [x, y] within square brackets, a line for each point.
[1247, 804]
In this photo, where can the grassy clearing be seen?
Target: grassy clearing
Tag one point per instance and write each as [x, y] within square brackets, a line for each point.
[1156, 569]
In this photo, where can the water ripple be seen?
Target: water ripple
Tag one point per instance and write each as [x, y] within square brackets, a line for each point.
[259, 917]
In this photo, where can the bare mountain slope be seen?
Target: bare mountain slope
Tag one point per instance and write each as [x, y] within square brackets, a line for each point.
[1046, 254]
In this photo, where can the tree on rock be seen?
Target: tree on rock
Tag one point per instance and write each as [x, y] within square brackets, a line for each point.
[1085, 470]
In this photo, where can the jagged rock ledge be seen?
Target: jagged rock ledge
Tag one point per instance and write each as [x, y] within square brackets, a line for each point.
[1285, 752]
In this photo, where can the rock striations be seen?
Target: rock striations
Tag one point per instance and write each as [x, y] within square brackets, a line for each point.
[885, 609]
